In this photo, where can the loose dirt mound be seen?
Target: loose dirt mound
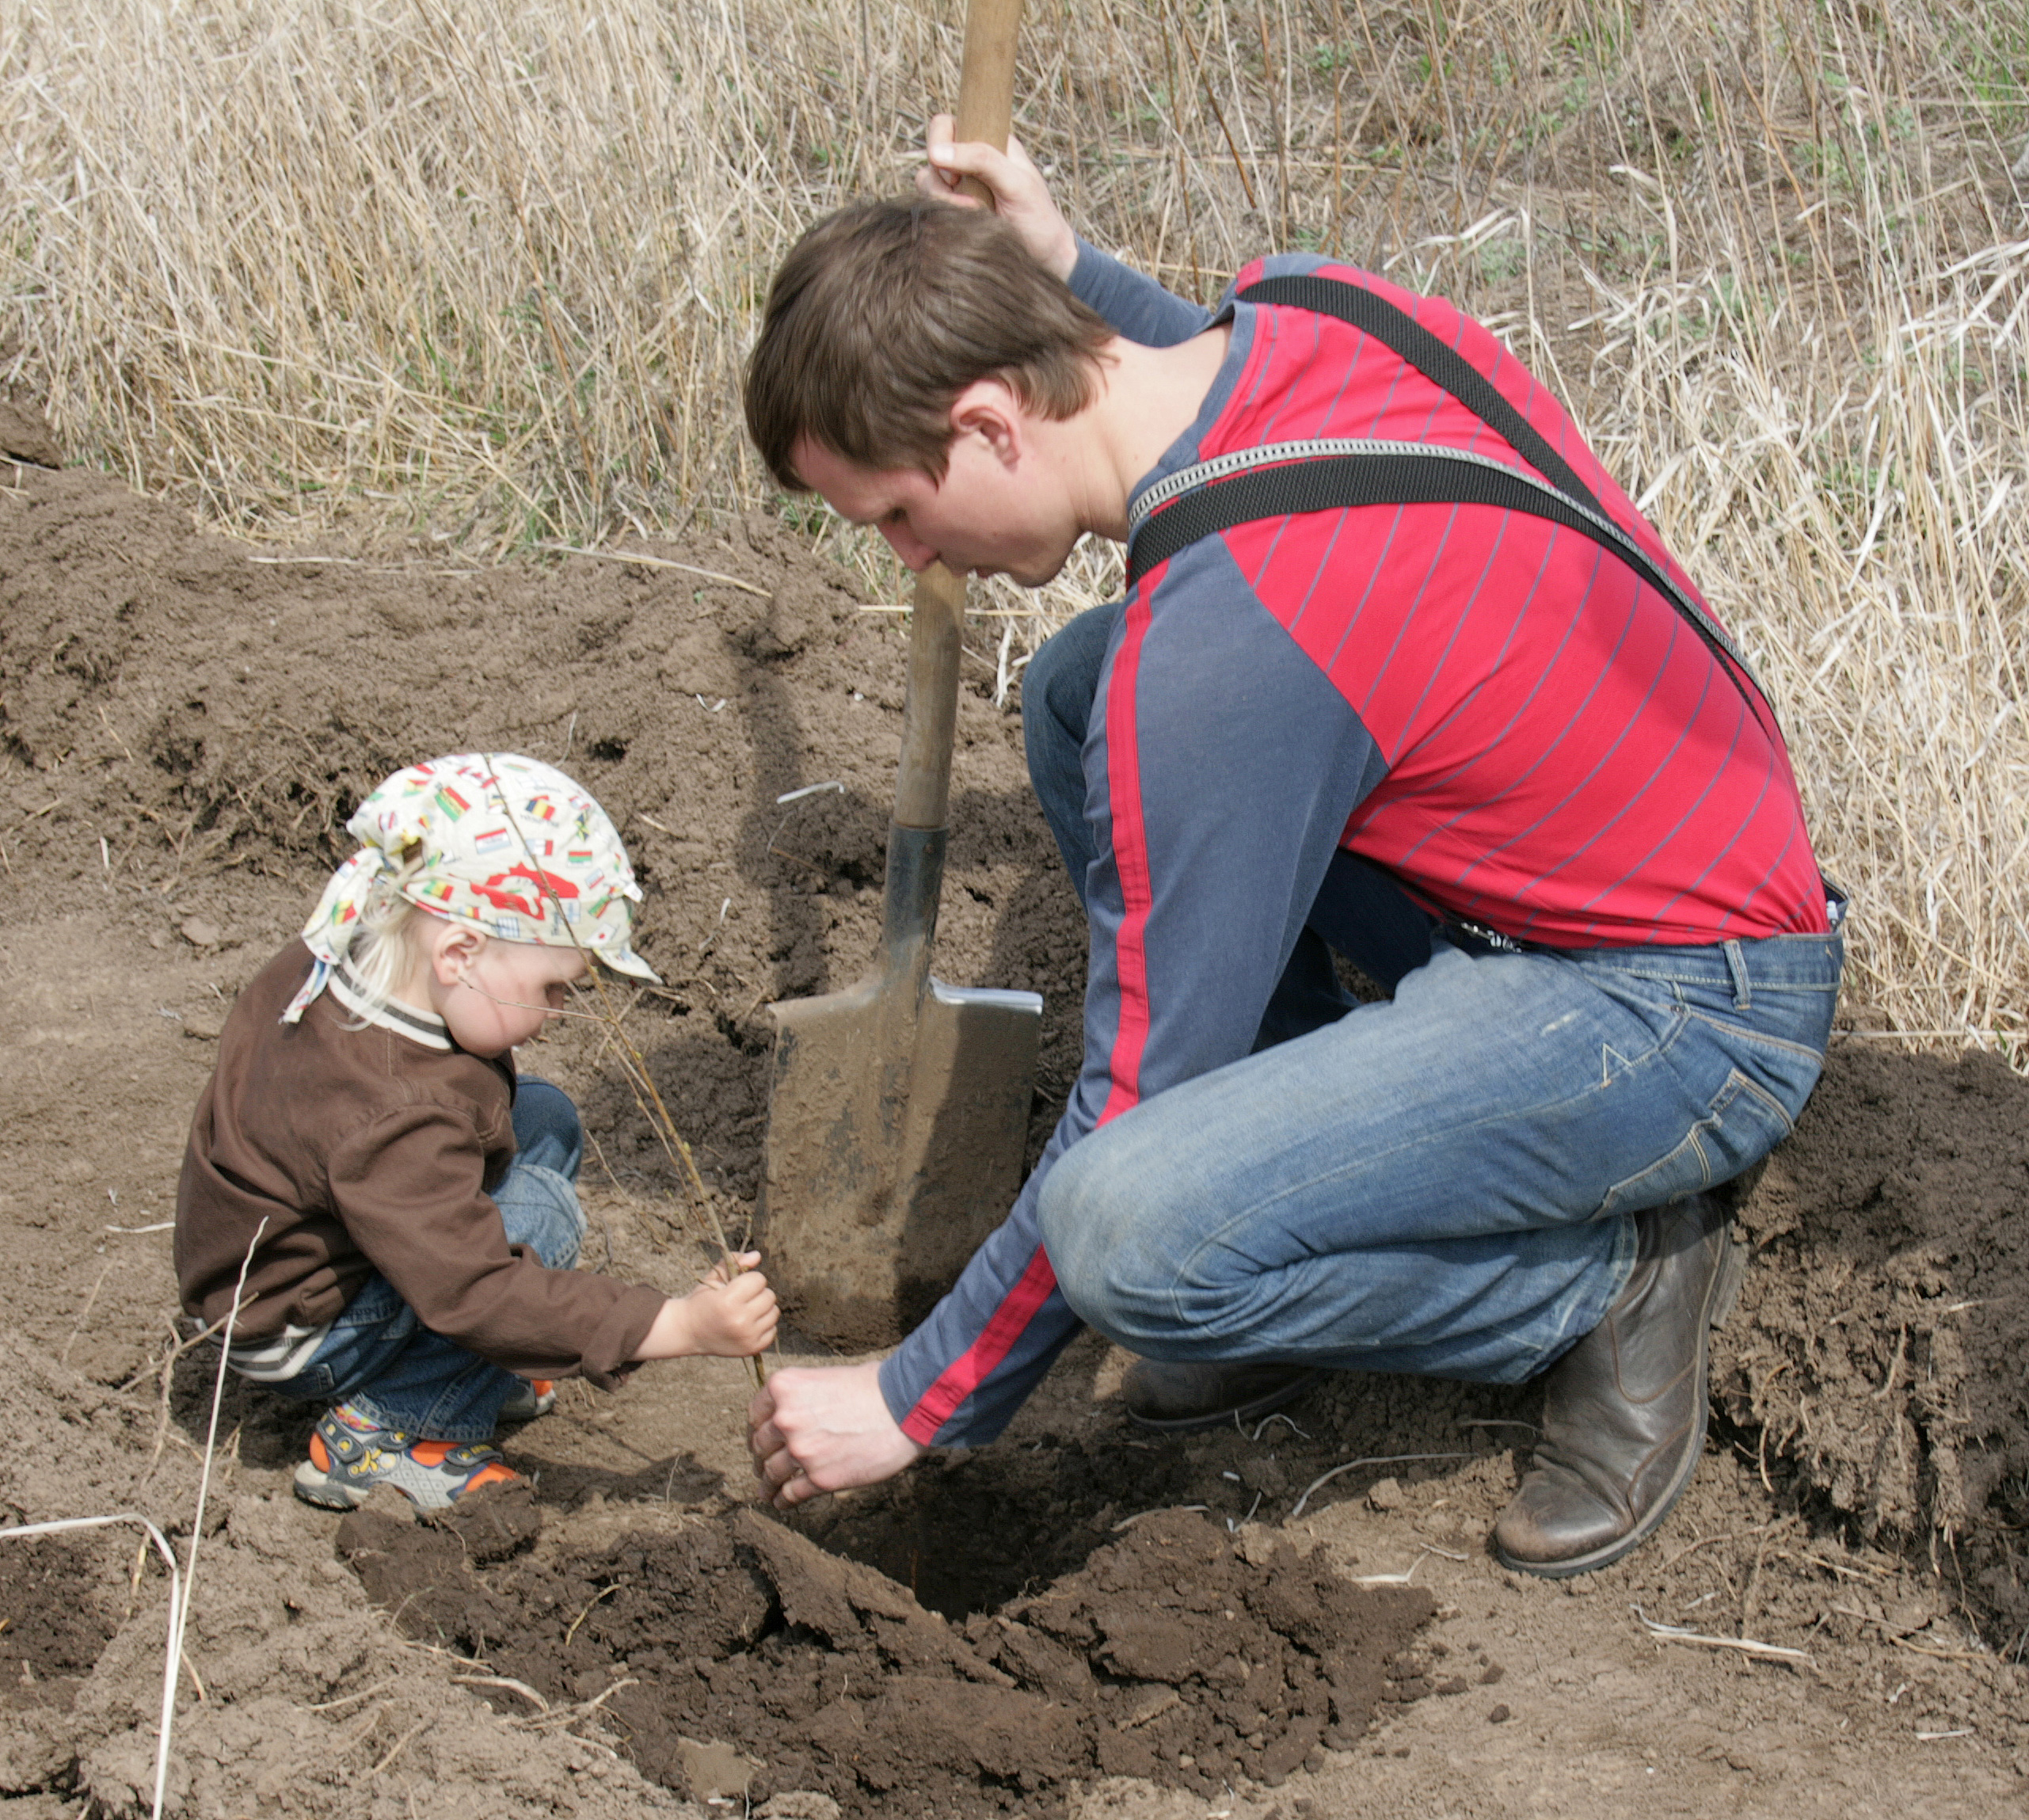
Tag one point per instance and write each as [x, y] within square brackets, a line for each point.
[184, 727]
[1177, 1653]
[1890, 1313]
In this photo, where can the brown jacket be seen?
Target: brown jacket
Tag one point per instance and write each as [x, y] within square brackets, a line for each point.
[365, 1150]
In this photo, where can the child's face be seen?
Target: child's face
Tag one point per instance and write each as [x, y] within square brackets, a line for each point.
[494, 994]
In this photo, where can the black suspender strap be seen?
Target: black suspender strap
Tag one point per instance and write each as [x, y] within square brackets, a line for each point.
[1285, 478]
[1444, 368]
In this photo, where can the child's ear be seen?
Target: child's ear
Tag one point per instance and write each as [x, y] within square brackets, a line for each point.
[456, 949]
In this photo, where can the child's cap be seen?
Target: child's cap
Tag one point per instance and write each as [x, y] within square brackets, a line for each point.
[494, 839]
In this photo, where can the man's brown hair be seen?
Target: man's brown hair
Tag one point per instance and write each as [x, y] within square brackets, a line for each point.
[883, 312]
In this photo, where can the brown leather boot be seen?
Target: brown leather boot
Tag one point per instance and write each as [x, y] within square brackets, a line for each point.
[1175, 1399]
[1624, 1411]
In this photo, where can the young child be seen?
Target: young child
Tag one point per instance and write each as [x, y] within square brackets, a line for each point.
[410, 1206]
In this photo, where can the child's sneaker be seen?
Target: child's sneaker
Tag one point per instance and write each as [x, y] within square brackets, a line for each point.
[350, 1456]
[532, 1397]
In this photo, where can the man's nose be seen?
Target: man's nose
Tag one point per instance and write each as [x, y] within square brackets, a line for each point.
[915, 555]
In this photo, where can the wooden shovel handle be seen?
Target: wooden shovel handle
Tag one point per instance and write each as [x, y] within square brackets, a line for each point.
[923, 790]
[986, 81]
[930, 713]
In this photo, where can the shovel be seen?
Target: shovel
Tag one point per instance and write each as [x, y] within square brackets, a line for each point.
[898, 1109]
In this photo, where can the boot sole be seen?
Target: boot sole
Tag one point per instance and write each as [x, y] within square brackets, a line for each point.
[1259, 1406]
[1720, 1301]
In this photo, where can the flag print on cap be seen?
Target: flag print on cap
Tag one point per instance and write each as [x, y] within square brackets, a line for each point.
[500, 868]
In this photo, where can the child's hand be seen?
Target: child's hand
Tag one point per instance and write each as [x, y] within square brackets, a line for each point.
[725, 1316]
[733, 1316]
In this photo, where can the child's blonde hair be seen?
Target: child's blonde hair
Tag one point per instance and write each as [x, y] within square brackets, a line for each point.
[385, 948]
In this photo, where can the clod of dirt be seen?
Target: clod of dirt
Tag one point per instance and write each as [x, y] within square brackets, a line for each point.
[716, 1771]
[204, 1023]
[494, 1522]
[25, 434]
[736, 1649]
[798, 1804]
[1267, 1658]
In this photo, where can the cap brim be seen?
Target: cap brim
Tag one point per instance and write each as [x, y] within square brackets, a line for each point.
[628, 962]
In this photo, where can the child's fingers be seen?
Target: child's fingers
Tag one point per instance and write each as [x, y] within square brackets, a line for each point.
[731, 1270]
[741, 1316]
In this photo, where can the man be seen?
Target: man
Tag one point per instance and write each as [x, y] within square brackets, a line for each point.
[1461, 720]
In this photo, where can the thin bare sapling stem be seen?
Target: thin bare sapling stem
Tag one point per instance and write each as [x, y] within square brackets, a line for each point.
[705, 1225]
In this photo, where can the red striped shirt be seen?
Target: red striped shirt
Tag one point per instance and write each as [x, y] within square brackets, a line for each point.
[1567, 761]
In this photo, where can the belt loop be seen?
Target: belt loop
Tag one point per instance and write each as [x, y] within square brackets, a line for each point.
[1736, 961]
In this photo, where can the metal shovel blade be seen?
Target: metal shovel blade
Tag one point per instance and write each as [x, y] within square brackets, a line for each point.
[899, 1108]
[896, 1123]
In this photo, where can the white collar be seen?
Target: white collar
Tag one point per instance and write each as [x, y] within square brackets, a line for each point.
[405, 1020]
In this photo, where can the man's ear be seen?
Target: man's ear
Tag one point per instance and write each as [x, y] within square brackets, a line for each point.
[455, 950]
[988, 408]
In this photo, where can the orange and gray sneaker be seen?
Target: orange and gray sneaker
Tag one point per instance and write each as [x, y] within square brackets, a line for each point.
[350, 1456]
[532, 1397]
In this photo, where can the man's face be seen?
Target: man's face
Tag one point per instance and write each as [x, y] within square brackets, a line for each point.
[985, 517]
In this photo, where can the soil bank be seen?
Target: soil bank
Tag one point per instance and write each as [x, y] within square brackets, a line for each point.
[184, 726]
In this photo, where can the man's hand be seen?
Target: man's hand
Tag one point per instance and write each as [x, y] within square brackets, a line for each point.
[823, 1430]
[1021, 198]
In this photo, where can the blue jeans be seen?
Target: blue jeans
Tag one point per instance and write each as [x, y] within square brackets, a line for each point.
[1441, 1183]
[380, 1358]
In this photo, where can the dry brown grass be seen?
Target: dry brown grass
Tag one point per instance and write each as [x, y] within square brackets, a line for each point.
[482, 270]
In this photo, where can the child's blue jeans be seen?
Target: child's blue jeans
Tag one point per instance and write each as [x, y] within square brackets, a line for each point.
[380, 1358]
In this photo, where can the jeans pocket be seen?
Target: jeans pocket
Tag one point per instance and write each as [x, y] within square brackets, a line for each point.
[1659, 1010]
[1742, 1125]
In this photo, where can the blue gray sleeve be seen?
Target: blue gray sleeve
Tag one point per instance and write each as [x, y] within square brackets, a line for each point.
[1137, 307]
[1221, 770]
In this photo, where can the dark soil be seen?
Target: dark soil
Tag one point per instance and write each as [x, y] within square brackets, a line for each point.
[184, 726]
[1892, 1237]
[1178, 1653]
[56, 1625]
